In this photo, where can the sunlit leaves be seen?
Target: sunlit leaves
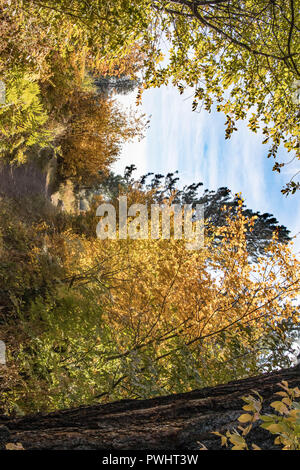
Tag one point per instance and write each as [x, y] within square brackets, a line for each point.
[22, 117]
[285, 425]
[138, 318]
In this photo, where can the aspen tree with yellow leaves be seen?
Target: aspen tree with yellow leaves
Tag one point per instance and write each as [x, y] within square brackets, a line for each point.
[137, 318]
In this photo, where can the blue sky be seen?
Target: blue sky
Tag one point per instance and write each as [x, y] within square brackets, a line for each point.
[194, 143]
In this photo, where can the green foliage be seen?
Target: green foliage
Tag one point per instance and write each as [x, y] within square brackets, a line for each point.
[241, 57]
[30, 263]
[58, 360]
[74, 335]
[286, 424]
[46, 53]
[22, 117]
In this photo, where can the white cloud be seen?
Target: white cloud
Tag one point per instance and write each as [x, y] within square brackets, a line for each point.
[194, 143]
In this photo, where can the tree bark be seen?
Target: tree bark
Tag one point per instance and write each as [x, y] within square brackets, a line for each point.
[174, 422]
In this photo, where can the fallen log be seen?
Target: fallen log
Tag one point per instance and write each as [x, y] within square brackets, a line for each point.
[174, 422]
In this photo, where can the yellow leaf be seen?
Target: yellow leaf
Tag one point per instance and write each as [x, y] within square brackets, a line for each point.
[287, 401]
[274, 428]
[280, 407]
[282, 394]
[277, 440]
[245, 418]
[248, 408]
[17, 446]
[237, 440]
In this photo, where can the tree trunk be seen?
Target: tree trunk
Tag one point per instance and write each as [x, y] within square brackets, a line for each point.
[174, 422]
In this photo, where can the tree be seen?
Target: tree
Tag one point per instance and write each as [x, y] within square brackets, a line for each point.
[22, 118]
[123, 65]
[139, 318]
[46, 51]
[121, 85]
[161, 188]
[243, 56]
[93, 134]
[98, 320]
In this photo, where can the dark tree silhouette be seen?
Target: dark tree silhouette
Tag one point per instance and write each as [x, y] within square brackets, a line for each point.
[166, 186]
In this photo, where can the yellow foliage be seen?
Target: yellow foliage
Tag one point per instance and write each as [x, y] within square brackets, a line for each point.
[285, 425]
[162, 290]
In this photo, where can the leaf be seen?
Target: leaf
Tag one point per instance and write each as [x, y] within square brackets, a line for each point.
[248, 408]
[245, 418]
[237, 440]
[280, 407]
[273, 428]
[17, 446]
[282, 394]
